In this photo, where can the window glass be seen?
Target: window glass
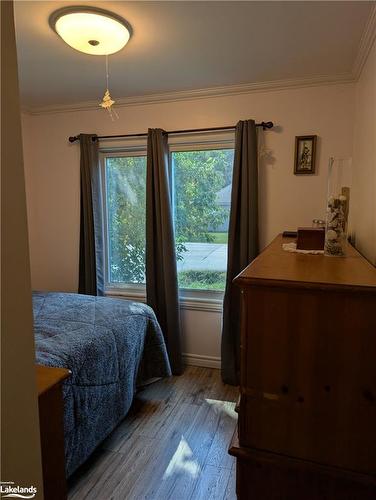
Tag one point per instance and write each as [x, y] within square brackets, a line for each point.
[201, 203]
[125, 203]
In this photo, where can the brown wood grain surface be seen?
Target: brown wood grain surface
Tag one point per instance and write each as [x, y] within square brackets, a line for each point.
[308, 370]
[267, 476]
[173, 445]
[51, 422]
[276, 267]
[48, 376]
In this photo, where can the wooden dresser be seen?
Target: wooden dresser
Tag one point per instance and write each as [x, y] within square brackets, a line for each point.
[307, 412]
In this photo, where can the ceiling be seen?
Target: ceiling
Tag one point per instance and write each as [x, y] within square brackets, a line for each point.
[182, 45]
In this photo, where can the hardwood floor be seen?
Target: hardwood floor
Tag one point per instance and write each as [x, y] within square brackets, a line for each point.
[172, 445]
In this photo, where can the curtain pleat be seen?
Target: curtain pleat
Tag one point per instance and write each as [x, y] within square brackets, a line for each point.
[243, 245]
[91, 279]
[161, 275]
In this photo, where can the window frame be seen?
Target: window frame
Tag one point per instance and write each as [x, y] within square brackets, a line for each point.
[204, 300]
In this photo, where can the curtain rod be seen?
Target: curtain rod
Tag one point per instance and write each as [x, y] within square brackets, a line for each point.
[264, 125]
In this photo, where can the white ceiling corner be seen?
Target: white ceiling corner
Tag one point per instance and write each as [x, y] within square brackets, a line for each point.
[192, 50]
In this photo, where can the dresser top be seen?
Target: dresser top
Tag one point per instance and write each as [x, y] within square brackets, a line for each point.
[275, 266]
[47, 377]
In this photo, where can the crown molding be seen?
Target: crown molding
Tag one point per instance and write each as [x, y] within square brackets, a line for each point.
[365, 44]
[189, 95]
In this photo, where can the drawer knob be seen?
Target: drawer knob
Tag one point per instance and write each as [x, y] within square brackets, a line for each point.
[300, 399]
[284, 389]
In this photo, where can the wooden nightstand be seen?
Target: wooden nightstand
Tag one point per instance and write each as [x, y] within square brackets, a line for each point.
[49, 382]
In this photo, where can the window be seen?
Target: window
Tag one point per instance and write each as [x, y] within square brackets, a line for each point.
[201, 202]
[125, 196]
[200, 176]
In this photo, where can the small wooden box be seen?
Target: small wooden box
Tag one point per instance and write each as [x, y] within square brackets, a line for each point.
[310, 238]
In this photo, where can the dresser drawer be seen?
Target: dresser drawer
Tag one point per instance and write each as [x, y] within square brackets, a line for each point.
[311, 429]
[308, 376]
[308, 338]
[267, 476]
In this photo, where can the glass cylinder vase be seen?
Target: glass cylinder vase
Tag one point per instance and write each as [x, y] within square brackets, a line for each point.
[338, 204]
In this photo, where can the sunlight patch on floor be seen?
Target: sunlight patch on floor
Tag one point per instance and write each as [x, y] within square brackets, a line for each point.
[226, 407]
[182, 461]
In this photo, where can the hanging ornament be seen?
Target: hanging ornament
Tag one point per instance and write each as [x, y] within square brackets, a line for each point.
[107, 101]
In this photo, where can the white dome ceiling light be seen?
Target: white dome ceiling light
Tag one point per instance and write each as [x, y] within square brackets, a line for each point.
[93, 31]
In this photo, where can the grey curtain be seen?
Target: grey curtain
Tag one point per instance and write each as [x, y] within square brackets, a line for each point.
[242, 242]
[91, 279]
[161, 275]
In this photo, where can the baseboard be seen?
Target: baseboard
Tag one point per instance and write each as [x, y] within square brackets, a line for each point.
[199, 360]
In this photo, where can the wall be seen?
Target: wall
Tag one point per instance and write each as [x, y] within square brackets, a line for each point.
[20, 441]
[364, 160]
[286, 201]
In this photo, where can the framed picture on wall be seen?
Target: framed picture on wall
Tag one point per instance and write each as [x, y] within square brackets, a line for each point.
[305, 154]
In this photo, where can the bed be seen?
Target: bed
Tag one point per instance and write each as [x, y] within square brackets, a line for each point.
[109, 345]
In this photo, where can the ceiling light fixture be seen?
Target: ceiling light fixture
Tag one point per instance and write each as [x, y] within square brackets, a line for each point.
[91, 30]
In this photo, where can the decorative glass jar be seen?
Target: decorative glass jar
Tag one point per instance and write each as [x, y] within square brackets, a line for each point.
[337, 213]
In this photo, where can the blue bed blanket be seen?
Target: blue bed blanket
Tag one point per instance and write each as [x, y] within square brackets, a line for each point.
[108, 344]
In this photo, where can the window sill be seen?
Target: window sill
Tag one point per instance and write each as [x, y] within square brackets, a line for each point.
[193, 301]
